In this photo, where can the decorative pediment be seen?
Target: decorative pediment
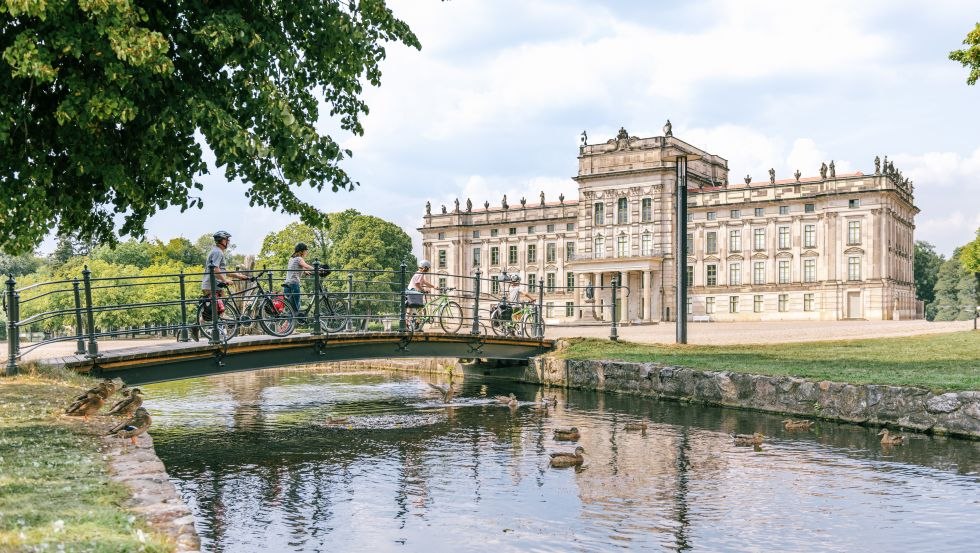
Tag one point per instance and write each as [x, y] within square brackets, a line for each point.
[736, 257]
[760, 255]
[784, 255]
[853, 250]
[710, 258]
[809, 253]
[551, 267]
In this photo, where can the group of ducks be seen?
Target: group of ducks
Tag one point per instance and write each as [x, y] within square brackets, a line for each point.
[756, 439]
[576, 458]
[131, 405]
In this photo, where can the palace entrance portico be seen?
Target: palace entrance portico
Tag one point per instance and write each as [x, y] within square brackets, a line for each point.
[642, 292]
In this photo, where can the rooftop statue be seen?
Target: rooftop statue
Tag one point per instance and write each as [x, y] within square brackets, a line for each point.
[542, 198]
[622, 134]
[523, 201]
[797, 175]
[443, 209]
[585, 138]
[877, 165]
[456, 208]
[503, 203]
[748, 179]
[823, 170]
[486, 206]
[833, 170]
[561, 199]
[469, 205]
[772, 176]
[428, 208]
[668, 129]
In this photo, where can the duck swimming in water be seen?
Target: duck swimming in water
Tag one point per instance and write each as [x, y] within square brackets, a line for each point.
[567, 434]
[562, 460]
[791, 424]
[748, 439]
[447, 392]
[509, 401]
[633, 426]
[887, 438]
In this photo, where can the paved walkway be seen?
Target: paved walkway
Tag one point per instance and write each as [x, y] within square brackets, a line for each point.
[697, 333]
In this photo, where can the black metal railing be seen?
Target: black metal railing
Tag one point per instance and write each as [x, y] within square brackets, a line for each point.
[180, 306]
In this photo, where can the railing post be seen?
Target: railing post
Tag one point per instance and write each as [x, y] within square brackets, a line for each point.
[214, 305]
[538, 329]
[79, 329]
[182, 335]
[13, 333]
[401, 317]
[614, 330]
[17, 318]
[476, 304]
[350, 299]
[269, 275]
[93, 346]
[317, 329]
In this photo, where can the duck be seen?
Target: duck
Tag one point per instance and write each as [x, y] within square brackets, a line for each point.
[640, 425]
[567, 434]
[129, 404]
[887, 438]
[88, 405]
[137, 424]
[748, 439]
[550, 401]
[562, 460]
[506, 400]
[447, 392]
[792, 424]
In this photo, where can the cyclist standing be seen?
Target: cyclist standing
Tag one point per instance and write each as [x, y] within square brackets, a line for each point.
[296, 267]
[419, 285]
[216, 259]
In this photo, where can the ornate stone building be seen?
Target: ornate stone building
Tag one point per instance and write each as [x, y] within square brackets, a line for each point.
[827, 247]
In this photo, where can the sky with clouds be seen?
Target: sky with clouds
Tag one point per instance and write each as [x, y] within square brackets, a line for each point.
[496, 99]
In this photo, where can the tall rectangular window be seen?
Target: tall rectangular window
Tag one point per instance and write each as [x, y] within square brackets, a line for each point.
[854, 268]
[495, 284]
[759, 239]
[550, 228]
[733, 304]
[734, 274]
[711, 243]
[646, 243]
[476, 257]
[757, 304]
[622, 245]
[759, 272]
[690, 275]
[735, 241]
[809, 236]
[784, 242]
[551, 252]
[532, 253]
[569, 282]
[709, 305]
[494, 255]
[550, 282]
[622, 211]
[784, 275]
[809, 270]
[569, 251]
[808, 301]
[599, 214]
[783, 302]
[711, 275]
[599, 250]
[690, 243]
[442, 283]
[549, 309]
[532, 282]
[646, 210]
[512, 255]
[442, 259]
[569, 309]
[853, 233]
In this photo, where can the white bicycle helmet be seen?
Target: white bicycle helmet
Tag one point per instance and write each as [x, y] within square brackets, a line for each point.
[425, 264]
[221, 235]
[515, 278]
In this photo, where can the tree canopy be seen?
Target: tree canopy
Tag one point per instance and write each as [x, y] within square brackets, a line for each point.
[970, 56]
[926, 264]
[970, 256]
[106, 106]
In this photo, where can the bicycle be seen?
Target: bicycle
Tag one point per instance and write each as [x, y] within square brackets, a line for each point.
[448, 313]
[274, 313]
[334, 308]
[519, 321]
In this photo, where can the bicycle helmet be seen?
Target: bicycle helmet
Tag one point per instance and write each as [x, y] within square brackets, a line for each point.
[221, 235]
[424, 264]
[515, 278]
[300, 247]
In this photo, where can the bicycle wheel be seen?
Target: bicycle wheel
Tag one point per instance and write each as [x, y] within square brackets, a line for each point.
[529, 322]
[227, 320]
[497, 324]
[451, 318]
[277, 318]
[334, 313]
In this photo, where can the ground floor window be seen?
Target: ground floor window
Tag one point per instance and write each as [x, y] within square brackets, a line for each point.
[709, 305]
[808, 302]
[757, 304]
[442, 283]
[569, 309]
[549, 309]
[733, 304]
[494, 284]
[783, 302]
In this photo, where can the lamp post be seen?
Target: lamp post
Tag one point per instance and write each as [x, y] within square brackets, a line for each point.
[680, 159]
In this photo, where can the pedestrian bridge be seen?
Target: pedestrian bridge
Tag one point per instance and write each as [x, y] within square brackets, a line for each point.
[180, 360]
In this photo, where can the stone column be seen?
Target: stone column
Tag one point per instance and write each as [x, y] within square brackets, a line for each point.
[646, 295]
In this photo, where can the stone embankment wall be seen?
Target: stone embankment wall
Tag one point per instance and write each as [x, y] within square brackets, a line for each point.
[953, 413]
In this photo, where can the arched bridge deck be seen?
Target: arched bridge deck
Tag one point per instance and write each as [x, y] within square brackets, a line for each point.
[188, 360]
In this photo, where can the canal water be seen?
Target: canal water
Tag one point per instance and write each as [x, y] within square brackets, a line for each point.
[289, 460]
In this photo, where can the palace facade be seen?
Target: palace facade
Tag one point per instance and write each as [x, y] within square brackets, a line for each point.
[826, 247]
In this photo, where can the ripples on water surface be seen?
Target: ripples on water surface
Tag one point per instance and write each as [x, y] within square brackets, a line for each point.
[372, 461]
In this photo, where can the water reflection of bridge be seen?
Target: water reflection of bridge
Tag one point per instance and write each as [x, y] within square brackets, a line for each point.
[188, 360]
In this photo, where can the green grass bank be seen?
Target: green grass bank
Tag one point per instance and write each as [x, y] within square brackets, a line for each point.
[55, 491]
[939, 362]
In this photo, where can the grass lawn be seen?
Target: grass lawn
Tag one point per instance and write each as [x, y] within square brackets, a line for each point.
[937, 361]
[54, 486]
